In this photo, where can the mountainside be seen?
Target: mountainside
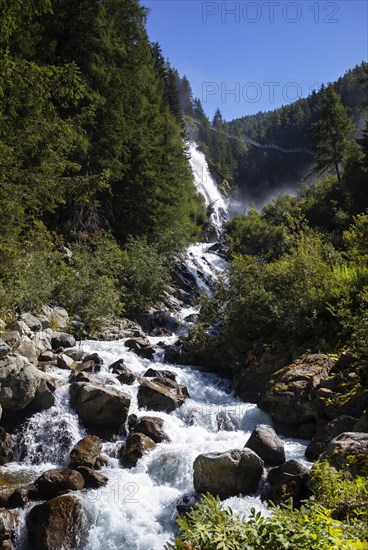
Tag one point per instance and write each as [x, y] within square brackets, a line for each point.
[259, 172]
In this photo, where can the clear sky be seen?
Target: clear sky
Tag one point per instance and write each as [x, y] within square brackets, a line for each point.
[250, 56]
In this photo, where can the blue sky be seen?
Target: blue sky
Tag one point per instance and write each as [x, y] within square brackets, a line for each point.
[250, 56]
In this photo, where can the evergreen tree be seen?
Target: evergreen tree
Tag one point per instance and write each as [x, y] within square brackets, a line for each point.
[330, 133]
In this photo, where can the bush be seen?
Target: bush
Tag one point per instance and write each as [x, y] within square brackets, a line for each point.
[209, 527]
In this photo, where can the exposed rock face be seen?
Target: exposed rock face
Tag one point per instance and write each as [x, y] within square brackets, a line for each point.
[52, 482]
[99, 406]
[151, 427]
[87, 452]
[92, 479]
[7, 445]
[58, 524]
[267, 445]
[287, 481]
[136, 446]
[141, 346]
[288, 394]
[8, 522]
[348, 449]
[21, 383]
[161, 394]
[228, 474]
[65, 362]
[326, 434]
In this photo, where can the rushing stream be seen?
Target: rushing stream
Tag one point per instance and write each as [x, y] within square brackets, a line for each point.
[136, 509]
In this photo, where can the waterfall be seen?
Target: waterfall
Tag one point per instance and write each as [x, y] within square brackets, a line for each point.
[136, 509]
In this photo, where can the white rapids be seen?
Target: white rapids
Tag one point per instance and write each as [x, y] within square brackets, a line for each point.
[136, 510]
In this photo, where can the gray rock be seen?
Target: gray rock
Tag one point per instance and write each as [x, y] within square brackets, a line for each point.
[4, 349]
[140, 346]
[125, 375]
[31, 321]
[62, 340]
[227, 474]
[47, 357]
[28, 350]
[288, 394]
[76, 354]
[12, 339]
[58, 524]
[42, 342]
[326, 434]
[45, 322]
[161, 395]
[19, 382]
[348, 450]
[287, 481]
[65, 362]
[266, 444]
[57, 316]
[99, 406]
[154, 373]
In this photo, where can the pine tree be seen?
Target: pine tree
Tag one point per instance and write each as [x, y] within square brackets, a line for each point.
[330, 133]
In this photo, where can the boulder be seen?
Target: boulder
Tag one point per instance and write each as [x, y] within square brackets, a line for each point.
[45, 322]
[125, 375]
[53, 482]
[8, 524]
[14, 498]
[27, 349]
[77, 354]
[99, 406]
[21, 383]
[12, 339]
[140, 346]
[7, 445]
[288, 394]
[267, 445]
[118, 329]
[47, 357]
[228, 473]
[42, 342]
[326, 434]
[62, 340]
[57, 316]
[58, 524]
[31, 321]
[349, 449]
[88, 377]
[87, 452]
[152, 428]
[21, 327]
[161, 394]
[287, 481]
[65, 362]
[4, 349]
[135, 447]
[92, 479]
[154, 373]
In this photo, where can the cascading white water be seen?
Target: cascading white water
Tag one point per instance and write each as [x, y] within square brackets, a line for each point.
[206, 186]
[136, 509]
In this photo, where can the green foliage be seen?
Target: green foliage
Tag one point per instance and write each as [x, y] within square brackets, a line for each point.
[330, 132]
[144, 276]
[209, 527]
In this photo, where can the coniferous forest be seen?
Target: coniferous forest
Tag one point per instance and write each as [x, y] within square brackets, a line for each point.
[106, 239]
